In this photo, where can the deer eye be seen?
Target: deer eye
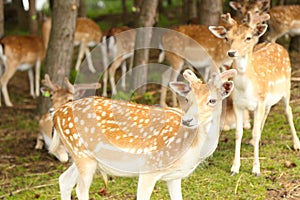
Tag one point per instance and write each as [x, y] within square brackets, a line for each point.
[212, 102]
[248, 38]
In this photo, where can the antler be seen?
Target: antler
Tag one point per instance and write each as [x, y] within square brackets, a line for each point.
[254, 21]
[69, 85]
[47, 82]
[81, 86]
[228, 19]
[191, 77]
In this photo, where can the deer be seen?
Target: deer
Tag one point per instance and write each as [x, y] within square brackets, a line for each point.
[19, 52]
[263, 79]
[214, 47]
[87, 34]
[120, 48]
[284, 19]
[128, 139]
[59, 96]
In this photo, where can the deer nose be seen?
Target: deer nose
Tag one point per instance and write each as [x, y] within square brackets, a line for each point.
[231, 53]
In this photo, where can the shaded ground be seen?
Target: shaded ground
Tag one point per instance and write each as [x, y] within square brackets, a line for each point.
[18, 131]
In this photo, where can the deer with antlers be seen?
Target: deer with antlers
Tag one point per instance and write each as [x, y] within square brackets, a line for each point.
[263, 78]
[127, 139]
[87, 34]
[21, 53]
[284, 19]
[59, 96]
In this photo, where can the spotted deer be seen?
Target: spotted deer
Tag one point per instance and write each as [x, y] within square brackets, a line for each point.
[128, 139]
[284, 19]
[120, 48]
[263, 78]
[21, 53]
[87, 34]
[59, 96]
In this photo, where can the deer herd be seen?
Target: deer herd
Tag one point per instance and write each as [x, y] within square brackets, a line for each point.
[162, 143]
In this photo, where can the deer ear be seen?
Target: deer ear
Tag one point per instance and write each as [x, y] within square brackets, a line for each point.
[180, 88]
[218, 31]
[235, 5]
[260, 29]
[226, 89]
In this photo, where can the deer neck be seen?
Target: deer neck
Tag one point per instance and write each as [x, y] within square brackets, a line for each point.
[242, 63]
[208, 135]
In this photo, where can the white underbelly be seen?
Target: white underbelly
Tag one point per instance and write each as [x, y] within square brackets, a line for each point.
[24, 67]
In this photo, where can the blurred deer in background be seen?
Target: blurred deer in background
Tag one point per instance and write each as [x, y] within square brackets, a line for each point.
[120, 48]
[59, 96]
[214, 50]
[87, 34]
[263, 78]
[141, 139]
[21, 53]
[284, 19]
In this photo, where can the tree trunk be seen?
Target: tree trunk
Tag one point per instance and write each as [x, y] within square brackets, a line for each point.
[33, 25]
[82, 8]
[58, 60]
[210, 11]
[190, 11]
[21, 13]
[1, 18]
[143, 39]
[124, 13]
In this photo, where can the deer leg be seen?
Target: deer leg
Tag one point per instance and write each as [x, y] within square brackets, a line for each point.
[30, 75]
[238, 140]
[174, 74]
[146, 185]
[89, 60]
[105, 77]
[256, 133]
[86, 168]
[165, 80]
[39, 142]
[112, 71]
[8, 73]
[37, 78]
[80, 55]
[174, 187]
[289, 115]
[123, 79]
[67, 181]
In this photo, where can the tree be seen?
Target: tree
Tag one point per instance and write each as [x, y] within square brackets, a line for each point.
[190, 14]
[124, 12]
[82, 8]
[210, 11]
[143, 38]
[22, 15]
[33, 25]
[1, 18]
[58, 60]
